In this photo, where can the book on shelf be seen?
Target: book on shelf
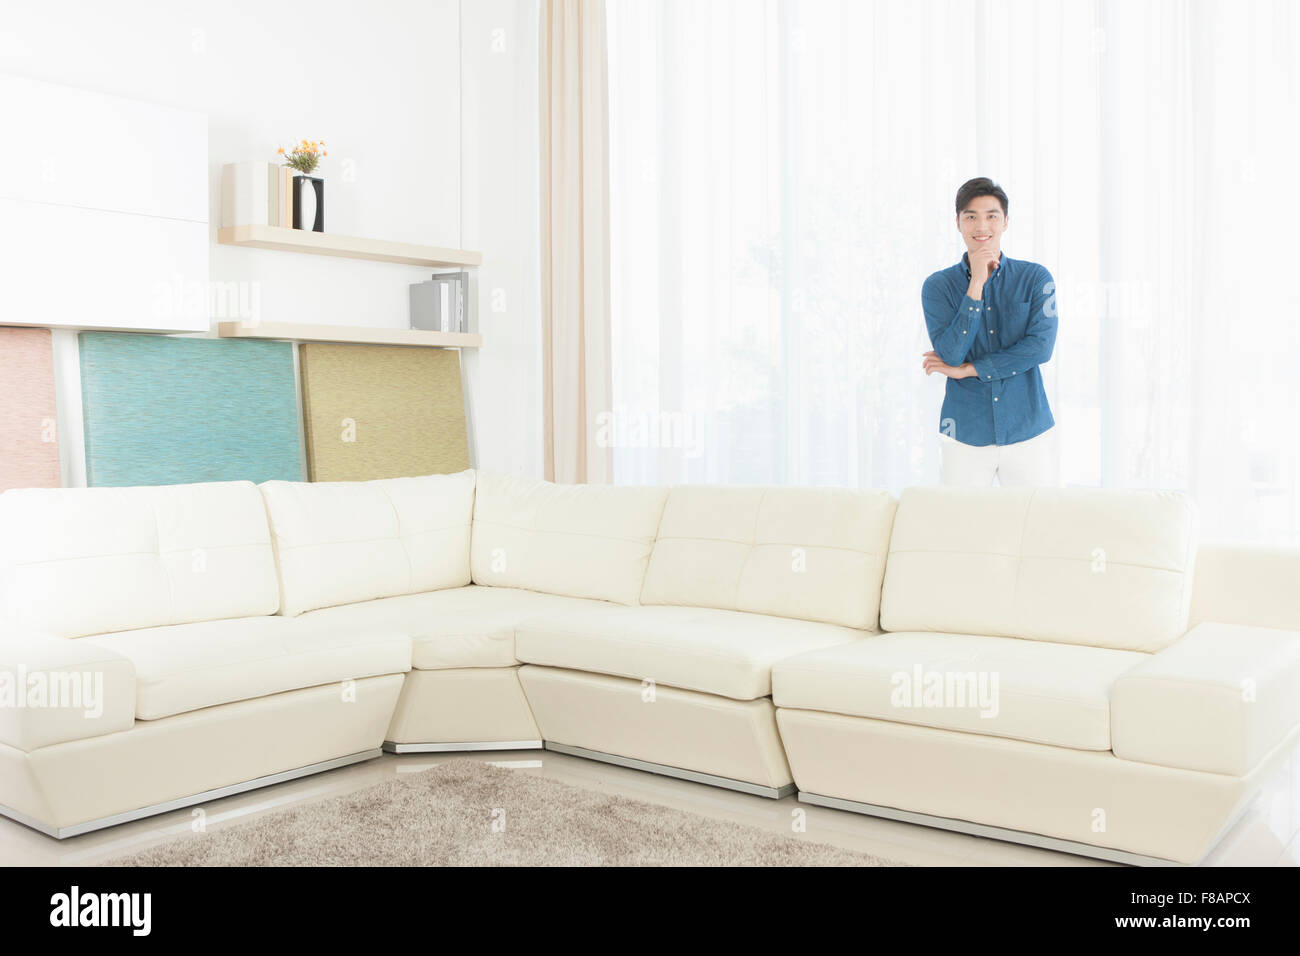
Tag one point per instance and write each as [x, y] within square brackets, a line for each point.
[273, 195]
[256, 194]
[456, 286]
[244, 194]
[286, 197]
[438, 304]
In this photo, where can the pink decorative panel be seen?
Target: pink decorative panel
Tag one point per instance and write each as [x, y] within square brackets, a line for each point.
[29, 446]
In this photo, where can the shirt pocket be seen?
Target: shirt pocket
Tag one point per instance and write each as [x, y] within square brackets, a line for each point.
[1015, 322]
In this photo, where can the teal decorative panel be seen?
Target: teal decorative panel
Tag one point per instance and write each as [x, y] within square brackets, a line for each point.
[162, 410]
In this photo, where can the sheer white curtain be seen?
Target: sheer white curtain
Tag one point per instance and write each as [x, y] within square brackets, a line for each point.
[782, 180]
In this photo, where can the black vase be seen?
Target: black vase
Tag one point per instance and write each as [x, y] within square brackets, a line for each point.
[318, 185]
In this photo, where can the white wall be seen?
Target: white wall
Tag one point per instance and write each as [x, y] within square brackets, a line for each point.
[500, 215]
[406, 94]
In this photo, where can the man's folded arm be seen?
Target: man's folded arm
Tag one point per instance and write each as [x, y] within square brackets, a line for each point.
[1032, 349]
[952, 329]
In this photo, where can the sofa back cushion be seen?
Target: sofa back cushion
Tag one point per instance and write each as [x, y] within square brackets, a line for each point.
[1251, 584]
[339, 542]
[78, 561]
[588, 541]
[1076, 566]
[817, 554]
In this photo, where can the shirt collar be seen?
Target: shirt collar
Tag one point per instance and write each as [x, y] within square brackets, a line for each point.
[965, 263]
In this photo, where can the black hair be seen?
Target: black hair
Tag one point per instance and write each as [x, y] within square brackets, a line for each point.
[980, 186]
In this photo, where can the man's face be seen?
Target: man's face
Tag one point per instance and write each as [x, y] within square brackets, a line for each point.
[981, 224]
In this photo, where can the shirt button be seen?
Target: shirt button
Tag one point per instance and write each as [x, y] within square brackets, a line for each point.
[995, 398]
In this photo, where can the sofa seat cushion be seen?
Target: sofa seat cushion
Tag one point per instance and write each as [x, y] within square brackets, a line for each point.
[473, 626]
[190, 666]
[729, 653]
[1045, 693]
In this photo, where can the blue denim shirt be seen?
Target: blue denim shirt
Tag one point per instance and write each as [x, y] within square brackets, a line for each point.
[1006, 335]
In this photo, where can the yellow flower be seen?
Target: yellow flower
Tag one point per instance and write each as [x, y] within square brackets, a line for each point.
[280, 151]
[324, 154]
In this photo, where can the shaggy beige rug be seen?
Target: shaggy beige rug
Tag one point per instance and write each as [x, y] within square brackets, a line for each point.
[467, 813]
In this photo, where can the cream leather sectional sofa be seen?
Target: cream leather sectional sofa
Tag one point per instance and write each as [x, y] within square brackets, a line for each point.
[1062, 667]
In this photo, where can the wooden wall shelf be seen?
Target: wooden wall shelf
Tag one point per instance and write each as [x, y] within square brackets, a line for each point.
[350, 247]
[353, 334]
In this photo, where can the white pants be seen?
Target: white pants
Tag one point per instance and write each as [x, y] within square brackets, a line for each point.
[1032, 462]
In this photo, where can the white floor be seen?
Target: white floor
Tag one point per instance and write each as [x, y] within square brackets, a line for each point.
[1266, 836]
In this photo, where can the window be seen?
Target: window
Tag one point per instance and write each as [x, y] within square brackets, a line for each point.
[782, 180]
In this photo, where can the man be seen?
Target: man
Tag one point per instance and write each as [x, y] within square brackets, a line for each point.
[992, 322]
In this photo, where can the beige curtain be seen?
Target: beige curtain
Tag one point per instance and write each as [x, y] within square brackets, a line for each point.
[576, 388]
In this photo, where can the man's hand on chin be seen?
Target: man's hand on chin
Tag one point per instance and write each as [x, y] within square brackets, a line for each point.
[933, 363]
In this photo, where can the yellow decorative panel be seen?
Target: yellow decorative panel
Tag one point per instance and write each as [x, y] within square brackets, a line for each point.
[382, 411]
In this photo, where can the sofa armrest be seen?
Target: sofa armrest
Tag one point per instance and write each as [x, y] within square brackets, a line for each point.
[55, 689]
[1218, 700]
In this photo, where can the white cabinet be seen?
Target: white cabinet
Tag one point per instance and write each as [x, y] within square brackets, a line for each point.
[103, 211]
